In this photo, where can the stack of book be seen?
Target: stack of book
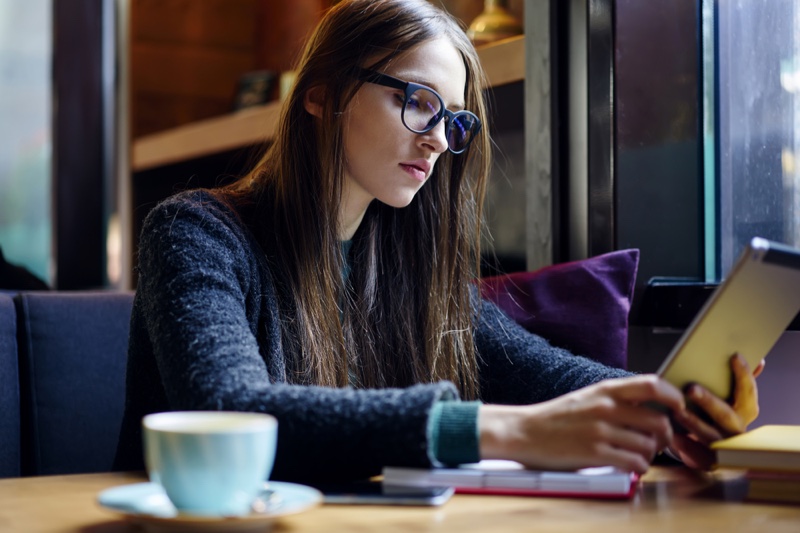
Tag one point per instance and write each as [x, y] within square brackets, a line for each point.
[771, 456]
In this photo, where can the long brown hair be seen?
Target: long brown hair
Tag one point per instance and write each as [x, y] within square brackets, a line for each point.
[403, 315]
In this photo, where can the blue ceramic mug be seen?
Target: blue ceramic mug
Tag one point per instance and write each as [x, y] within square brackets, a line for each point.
[211, 463]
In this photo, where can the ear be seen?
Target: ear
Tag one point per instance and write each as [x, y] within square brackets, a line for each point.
[314, 100]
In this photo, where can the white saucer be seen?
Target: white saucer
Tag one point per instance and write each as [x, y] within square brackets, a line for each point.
[147, 504]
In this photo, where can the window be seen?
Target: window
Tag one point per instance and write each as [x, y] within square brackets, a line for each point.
[758, 128]
[707, 102]
[25, 137]
[707, 155]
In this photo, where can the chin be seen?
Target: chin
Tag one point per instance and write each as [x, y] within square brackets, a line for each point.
[398, 202]
[399, 197]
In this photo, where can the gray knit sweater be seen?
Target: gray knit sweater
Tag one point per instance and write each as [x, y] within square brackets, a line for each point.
[205, 334]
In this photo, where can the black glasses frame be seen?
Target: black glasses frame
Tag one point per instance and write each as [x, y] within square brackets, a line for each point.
[409, 88]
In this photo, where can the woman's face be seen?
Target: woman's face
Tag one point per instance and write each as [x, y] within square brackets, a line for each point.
[384, 160]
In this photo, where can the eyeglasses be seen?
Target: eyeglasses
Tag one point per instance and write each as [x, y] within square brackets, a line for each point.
[423, 109]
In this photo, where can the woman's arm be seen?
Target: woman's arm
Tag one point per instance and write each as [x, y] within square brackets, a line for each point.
[603, 423]
[579, 412]
[519, 367]
[606, 423]
[210, 339]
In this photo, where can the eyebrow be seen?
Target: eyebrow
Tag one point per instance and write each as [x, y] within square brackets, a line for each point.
[458, 106]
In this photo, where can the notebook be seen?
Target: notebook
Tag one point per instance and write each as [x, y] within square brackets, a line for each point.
[771, 447]
[511, 478]
[747, 313]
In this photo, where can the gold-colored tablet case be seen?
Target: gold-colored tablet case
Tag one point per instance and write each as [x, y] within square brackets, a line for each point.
[747, 313]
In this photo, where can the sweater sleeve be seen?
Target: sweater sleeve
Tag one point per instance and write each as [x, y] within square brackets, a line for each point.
[454, 434]
[519, 367]
[195, 344]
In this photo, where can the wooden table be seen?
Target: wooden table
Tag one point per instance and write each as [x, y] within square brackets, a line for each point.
[669, 499]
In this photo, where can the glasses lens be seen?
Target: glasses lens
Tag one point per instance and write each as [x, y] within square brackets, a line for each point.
[460, 131]
[423, 111]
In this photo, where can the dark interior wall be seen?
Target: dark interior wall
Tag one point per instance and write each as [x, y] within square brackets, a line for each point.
[80, 155]
[659, 146]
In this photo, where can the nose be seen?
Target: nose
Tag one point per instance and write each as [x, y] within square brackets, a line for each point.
[435, 140]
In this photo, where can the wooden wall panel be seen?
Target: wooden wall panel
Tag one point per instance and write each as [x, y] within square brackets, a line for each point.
[187, 71]
[212, 23]
[282, 30]
[186, 59]
[160, 111]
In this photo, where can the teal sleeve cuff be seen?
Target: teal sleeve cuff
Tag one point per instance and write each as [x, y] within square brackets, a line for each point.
[453, 430]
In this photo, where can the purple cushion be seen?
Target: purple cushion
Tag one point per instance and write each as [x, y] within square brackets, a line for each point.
[582, 305]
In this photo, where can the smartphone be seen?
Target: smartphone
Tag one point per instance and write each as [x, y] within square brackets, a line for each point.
[376, 493]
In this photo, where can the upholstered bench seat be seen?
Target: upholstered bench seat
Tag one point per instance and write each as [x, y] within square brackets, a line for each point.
[9, 390]
[72, 350]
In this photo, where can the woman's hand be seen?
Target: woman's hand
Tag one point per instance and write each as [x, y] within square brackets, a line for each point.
[603, 424]
[728, 419]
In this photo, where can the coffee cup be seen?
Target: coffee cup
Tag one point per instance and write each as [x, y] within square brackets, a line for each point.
[211, 463]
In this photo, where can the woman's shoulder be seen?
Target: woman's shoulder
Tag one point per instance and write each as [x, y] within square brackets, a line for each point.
[197, 217]
[193, 201]
[198, 229]
[196, 208]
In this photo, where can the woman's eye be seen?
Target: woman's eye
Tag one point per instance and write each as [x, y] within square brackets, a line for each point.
[413, 103]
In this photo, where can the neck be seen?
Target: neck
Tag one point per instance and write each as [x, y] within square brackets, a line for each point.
[349, 225]
[354, 206]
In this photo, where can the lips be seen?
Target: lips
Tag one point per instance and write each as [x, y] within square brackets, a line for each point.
[418, 168]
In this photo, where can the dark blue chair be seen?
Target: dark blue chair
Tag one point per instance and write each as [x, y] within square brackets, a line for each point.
[9, 390]
[72, 355]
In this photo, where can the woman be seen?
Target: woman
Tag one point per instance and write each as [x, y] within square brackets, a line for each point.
[331, 287]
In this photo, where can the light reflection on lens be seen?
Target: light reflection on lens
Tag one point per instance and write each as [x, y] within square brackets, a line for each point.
[422, 111]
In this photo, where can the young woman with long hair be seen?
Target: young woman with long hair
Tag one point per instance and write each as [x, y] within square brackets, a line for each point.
[333, 285]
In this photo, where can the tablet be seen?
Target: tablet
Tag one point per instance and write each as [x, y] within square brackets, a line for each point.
[747, 313]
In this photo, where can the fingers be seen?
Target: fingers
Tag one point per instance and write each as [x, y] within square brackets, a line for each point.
[647, 422]
[639, 429]
[646, 388]
[629, 435]
[641, 445]
[622, 458]
[760, 368]
[693, 454]
[745, 392]
[702, 430]
[729, 419]
[622, 447]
